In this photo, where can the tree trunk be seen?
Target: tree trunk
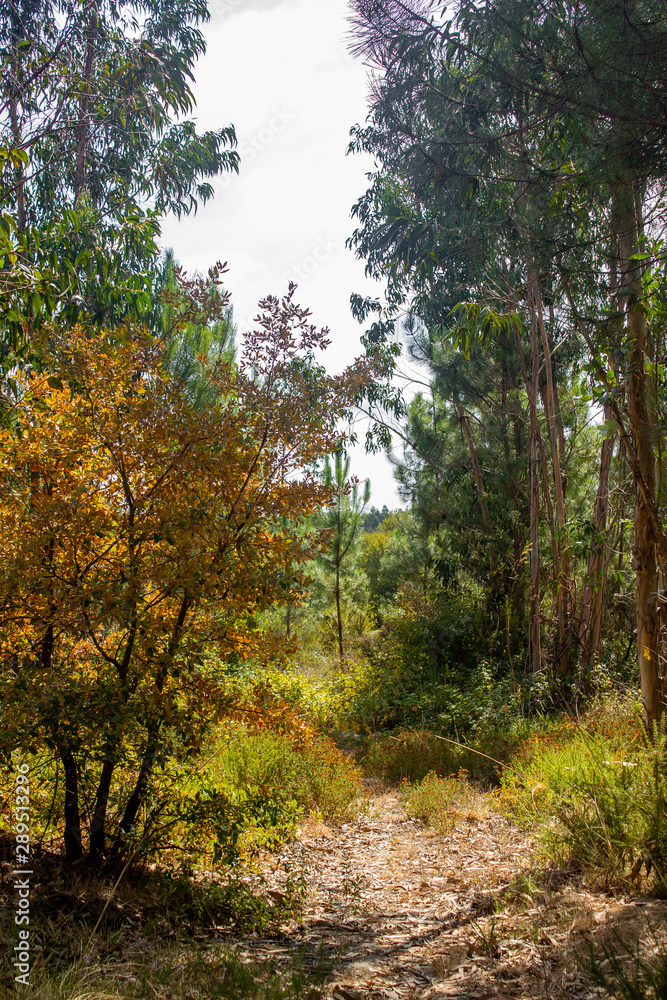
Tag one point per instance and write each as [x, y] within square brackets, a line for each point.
[138, 793]
[339, 617]
[531, 386]
[535, 643]
[563, 570]
[590, 622]
[535, 629]
[20, 173]
[82, 130]
[72, 834]
[97, 834]
[643, 434]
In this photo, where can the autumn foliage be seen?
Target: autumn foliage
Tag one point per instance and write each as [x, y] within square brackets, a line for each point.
[141, 531]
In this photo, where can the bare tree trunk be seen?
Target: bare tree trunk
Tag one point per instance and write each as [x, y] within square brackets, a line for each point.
[531, 393]
[643, 436]
[138, 793]
[563, 579]
[20, 173]
[535, 451]
[97, 833]
[535, 621]
[72, 834]
[83, 130]
[590, 622]
[535, 641]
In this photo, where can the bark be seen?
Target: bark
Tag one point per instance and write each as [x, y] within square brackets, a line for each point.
[97, 832]
[563, 571]
[146, 769]
[560, 427]
[535, 599]
[590, 622]
[531, 393]
[72, 835]
[20, 173]
[535, 621]
[83, 129]
[139, 791]
[643, 437]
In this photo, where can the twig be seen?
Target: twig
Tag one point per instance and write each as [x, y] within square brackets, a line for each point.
[110, 897]
[478, 752]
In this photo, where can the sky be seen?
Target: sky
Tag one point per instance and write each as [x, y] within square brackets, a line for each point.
[279, 70]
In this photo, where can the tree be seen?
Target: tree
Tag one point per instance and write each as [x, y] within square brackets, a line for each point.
[196, 325]
[142, 529]
[90, 158]
[343, 521]
[522, 151]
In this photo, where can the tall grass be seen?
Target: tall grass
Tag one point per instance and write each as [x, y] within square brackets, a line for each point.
[596, 792]
[441, 802]
[176, 974]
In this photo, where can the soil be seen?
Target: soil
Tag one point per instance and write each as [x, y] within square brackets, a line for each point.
[399, 911]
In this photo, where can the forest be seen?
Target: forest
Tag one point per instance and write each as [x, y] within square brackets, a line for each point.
[265, 735]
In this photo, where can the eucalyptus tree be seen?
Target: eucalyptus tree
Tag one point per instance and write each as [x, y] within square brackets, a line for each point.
[520, 143]
[451, 221]
[95, 146]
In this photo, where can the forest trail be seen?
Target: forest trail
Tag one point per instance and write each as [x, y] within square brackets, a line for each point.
[399, 911]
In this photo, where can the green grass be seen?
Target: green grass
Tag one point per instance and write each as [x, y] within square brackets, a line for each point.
[176, 973]
[441, 802]
[595, 792]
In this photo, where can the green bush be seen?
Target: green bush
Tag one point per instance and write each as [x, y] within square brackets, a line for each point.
[440, 802]
[249, 793]
[422, 670]
[412, 753]
[314, 773]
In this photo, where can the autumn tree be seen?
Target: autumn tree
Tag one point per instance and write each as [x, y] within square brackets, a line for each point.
[141, 531]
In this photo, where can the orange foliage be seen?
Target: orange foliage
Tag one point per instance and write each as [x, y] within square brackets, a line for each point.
[140, 531]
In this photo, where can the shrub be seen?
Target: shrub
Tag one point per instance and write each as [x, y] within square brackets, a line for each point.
[440, 802]
[597, 793]
[314, 773]
[250, 794]
[412, 753]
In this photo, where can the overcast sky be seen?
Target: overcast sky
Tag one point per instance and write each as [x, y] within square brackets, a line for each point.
[279, 70]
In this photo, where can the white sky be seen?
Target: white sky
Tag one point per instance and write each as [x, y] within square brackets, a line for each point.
[280, 72]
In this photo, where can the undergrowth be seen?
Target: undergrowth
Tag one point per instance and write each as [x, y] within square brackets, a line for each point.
[413, 753]
[441, 802]
[595, 792]
[176, 973]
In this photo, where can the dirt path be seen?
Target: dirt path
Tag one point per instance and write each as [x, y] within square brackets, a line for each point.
[399, 912]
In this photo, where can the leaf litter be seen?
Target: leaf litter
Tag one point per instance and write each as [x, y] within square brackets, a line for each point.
[400, 911]
[392, 909]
